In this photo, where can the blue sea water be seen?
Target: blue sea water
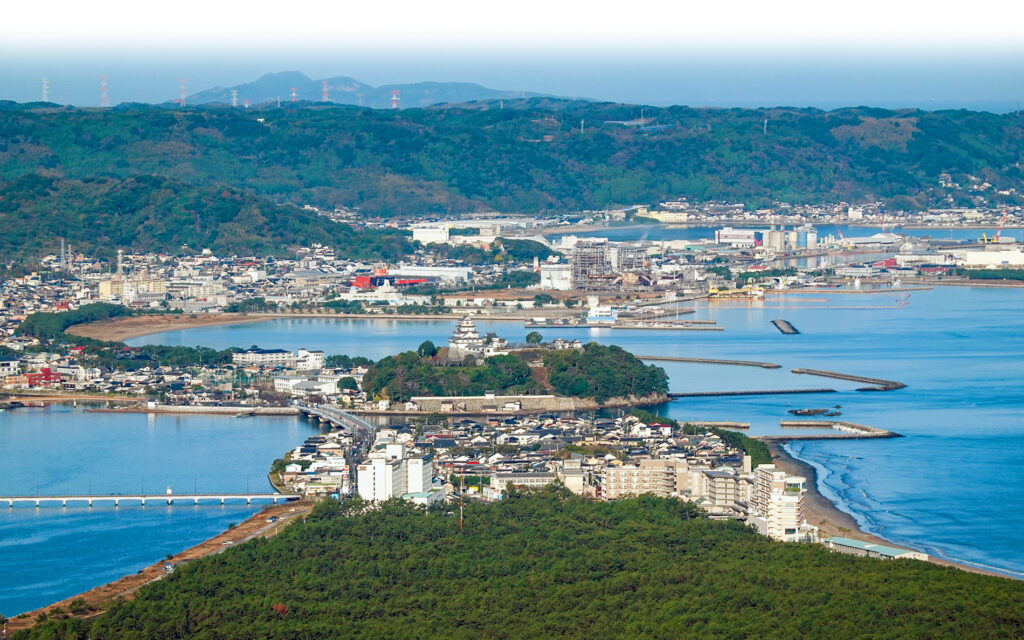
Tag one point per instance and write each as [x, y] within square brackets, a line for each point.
[51, 553]
[950, 487]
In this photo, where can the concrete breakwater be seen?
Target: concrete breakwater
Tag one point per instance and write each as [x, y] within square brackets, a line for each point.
[204, 410]
[880, 384]
[846, 431]
[764, 392]
[739, 363]
[785, 327]
[718, 424]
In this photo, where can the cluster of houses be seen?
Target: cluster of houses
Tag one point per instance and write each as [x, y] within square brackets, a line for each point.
[602, 458]
[320, 466]
[616, 458]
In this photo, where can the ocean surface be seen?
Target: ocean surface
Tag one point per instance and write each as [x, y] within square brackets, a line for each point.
[950, 487]
[51, 553]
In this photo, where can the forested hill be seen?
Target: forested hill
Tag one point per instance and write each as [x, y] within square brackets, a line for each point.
[151, 213]
[530, 156]
[548, 565]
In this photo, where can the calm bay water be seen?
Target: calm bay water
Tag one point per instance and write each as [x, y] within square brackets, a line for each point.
[50, 553]
[949, 487]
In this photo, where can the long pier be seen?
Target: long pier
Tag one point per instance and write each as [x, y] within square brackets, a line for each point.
[142, 498]
[762, 392]
[740, 363]
[880, 384]
[847, 431]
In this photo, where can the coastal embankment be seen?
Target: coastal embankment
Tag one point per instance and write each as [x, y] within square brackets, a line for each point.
[241, 411]
[95, 601]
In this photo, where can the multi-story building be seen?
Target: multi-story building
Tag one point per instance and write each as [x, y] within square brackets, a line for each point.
[723, 487]
[309, 360]
[10, 367]
[379, 479]
[777, 503]
[264, 357]
[591, 267]
[654, 476]
[500, 482]
[390, 473]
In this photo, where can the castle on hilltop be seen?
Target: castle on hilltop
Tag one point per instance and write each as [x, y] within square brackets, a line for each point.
[467, 341]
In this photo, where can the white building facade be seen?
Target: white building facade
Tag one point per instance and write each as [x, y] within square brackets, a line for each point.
[777, 504]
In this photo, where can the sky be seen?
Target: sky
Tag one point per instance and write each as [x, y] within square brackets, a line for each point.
[743, 53]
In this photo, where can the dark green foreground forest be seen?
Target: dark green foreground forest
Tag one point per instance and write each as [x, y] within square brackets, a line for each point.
[549, 565]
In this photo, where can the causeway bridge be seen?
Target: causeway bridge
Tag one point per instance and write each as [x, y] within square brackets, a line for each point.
[140, 499]
[336, 417]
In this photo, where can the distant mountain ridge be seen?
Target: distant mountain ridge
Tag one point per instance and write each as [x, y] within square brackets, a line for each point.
[272, 87]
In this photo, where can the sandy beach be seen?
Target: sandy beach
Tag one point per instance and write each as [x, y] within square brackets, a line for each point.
[820, 512]
[120, 329]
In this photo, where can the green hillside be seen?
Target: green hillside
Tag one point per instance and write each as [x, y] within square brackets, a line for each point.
[549, 565]
[530, 156]
[150, 213]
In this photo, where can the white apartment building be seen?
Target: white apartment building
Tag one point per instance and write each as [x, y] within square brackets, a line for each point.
[309, 360]
[390, 473]
[378, 479]
[500, 482]
[264, 357]
[433, 234]
[777, 503]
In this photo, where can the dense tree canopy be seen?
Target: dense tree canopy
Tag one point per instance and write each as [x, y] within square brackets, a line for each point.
[602, 372]
[530, 158]
[150, 213]
[548, 565]
[412, 373]
[47, 325]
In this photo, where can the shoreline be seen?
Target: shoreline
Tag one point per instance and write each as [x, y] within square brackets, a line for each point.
[127, 328]
[832, 521]
[819, 511]
[100, 597]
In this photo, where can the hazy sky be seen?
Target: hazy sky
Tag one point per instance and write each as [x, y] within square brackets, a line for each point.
[803, 53]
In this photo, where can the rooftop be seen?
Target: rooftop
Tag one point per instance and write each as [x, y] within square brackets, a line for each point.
[880, 549]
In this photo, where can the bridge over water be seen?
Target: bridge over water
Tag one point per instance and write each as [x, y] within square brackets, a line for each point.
[141, 499]
[337, 417]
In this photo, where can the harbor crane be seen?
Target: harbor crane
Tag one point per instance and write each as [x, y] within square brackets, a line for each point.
[999, 232]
